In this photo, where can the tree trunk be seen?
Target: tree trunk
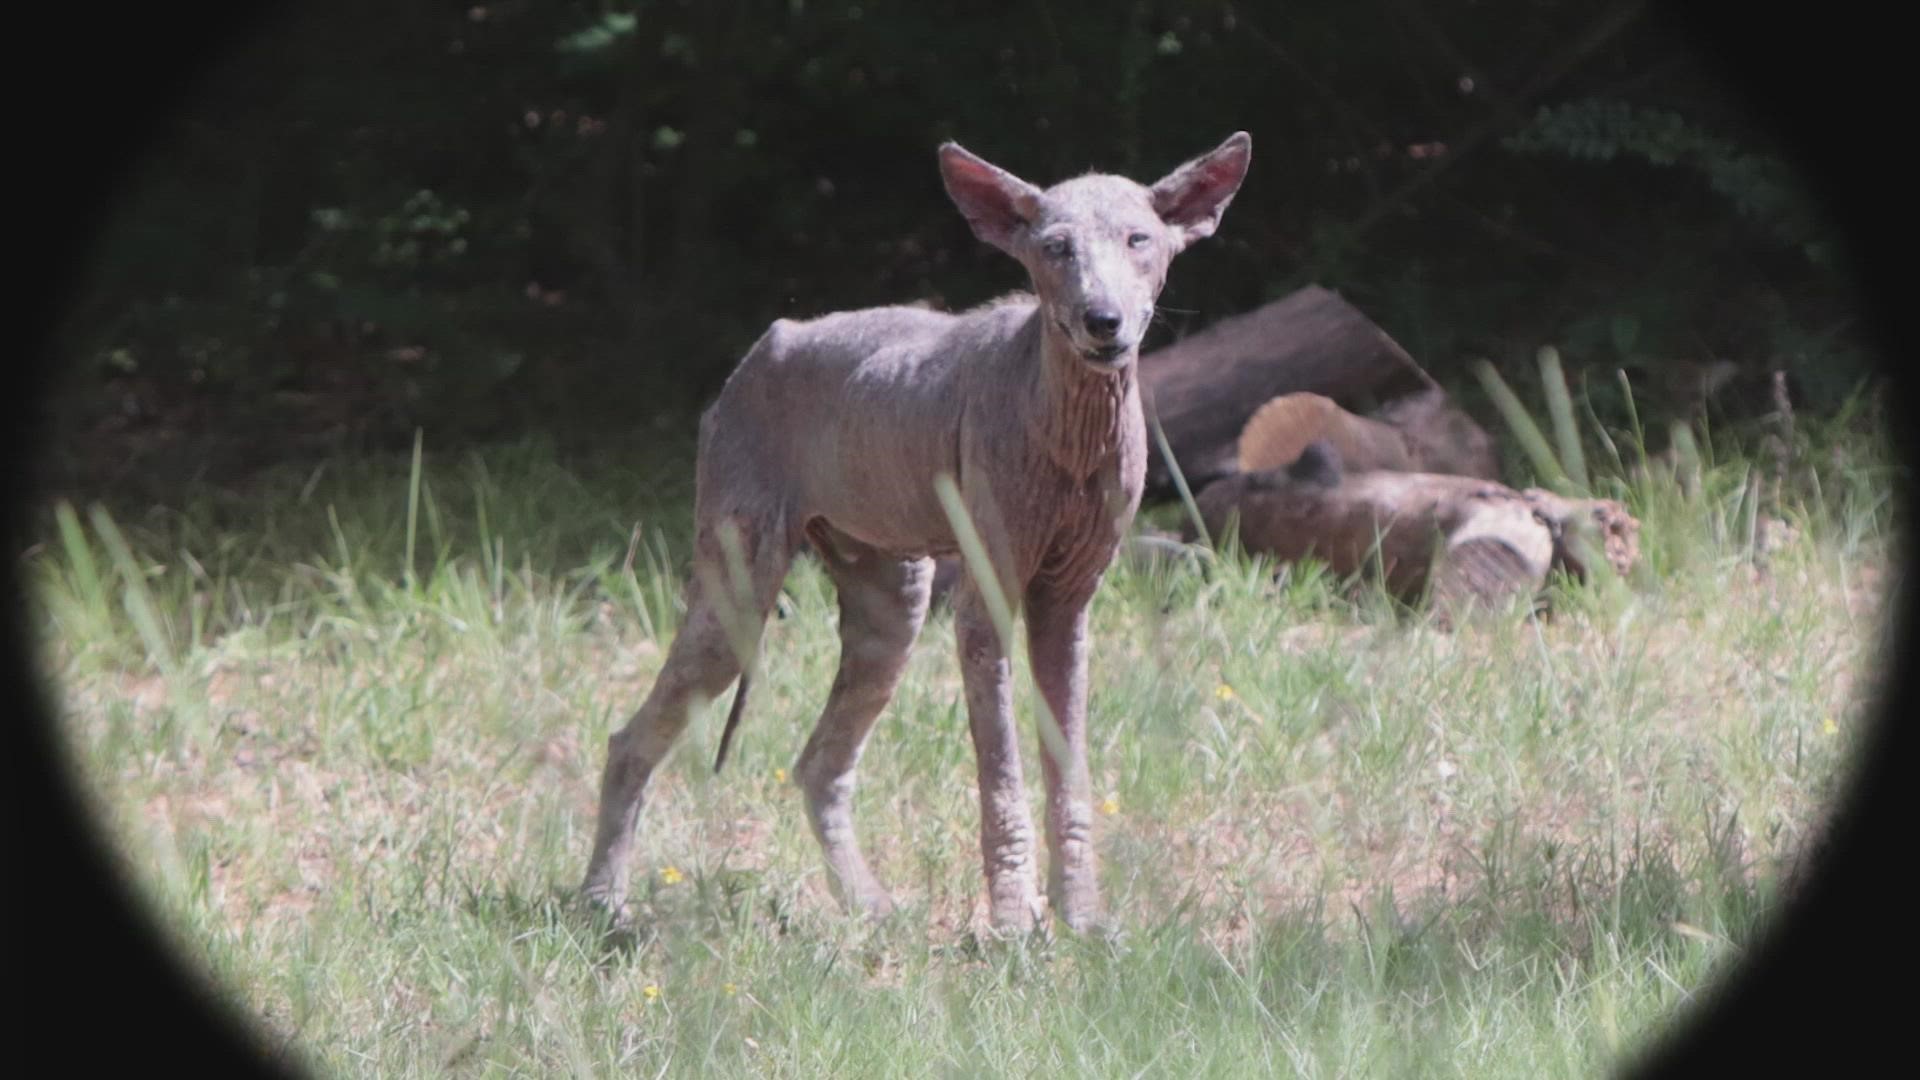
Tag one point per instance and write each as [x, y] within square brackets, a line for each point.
[1456, 538]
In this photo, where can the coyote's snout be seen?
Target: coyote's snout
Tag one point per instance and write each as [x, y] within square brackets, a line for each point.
[832, 432]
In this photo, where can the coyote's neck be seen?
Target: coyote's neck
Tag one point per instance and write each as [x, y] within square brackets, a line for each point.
[1080, 414]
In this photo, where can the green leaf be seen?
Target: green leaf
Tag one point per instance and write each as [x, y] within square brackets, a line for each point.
[599, 36]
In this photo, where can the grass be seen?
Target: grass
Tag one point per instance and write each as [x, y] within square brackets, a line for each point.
[346, 727]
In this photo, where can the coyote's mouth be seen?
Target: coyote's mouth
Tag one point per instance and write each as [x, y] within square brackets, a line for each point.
[1104, 356]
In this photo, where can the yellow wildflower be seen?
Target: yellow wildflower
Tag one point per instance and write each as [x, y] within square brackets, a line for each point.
[779, 776]
[1224, 692]
[1828, 727]
[651, 991]
[671, 875]
[730, 989]
[1109, 805]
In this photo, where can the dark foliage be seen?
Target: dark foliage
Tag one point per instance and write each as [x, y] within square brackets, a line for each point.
[484, 217]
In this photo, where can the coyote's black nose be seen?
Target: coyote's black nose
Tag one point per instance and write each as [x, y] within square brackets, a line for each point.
[1102, 324]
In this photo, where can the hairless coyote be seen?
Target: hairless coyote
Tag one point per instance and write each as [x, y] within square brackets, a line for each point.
[833, 432]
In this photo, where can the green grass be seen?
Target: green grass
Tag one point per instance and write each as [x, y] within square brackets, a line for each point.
[347, 726]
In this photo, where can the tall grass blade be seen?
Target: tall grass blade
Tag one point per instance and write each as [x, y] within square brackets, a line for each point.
[86, 574]
[1600, 430]
[138, 599]
[413, 507]
[1523, 428]
[1566, 429]
[1180, 484]
[973, 550]
[1633, 412]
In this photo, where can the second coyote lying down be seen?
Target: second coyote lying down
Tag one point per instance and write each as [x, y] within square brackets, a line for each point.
[832, 432]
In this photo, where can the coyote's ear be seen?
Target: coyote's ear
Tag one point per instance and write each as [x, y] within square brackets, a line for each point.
[1192, 197]
[995, 202]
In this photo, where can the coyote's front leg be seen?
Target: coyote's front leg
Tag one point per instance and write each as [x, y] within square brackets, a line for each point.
[1057, 648]
[1006, 828]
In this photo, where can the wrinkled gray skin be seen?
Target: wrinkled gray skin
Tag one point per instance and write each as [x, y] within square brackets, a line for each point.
[831, 433]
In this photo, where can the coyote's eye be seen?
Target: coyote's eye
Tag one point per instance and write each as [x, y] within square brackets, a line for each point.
[1138, 240]
[1058, 247]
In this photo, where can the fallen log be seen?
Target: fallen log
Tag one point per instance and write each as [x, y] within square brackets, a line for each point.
[1493, 548]
[1441, 436]
[1278, 431]
[1587, 532]
[1203, 388]
[1454, 539]
[1422, 432]
[1383, 523]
